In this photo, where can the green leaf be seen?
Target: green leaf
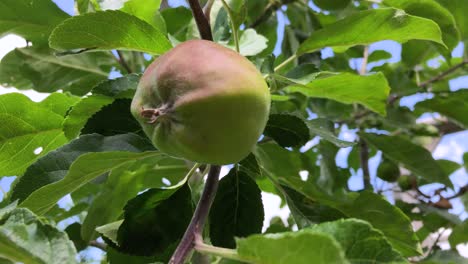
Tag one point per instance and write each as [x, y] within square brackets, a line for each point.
[251, 43]
[113, 119]
[370, 26]
[103, 94]
[108, 30]
[413, 157]
[307, 212]
[81, 112]
[59, 103]
[288, 130]
[115, 257]
[321, 127]
[147, 11]
[459, 234]
[73, 232]
[125, 182]
[237, 210]
[154, 221]
[448, 166]
[84, 169]
[332, 5]
[109, 231]
[54, 166]
[457, 8]
[123, 87]
[378, 55]
[28, 132]
[387, 218]
[370, 91]
[25, 238]
[453, 105]
[177, 20]
[31, 19]
[121, 185]
[283, 166]
[445, 257]
[430, 9]
[301, 247]
[361, 242]
[48, 73]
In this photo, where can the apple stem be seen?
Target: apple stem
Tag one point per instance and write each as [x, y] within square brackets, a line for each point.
[201, 20]
[195, 228]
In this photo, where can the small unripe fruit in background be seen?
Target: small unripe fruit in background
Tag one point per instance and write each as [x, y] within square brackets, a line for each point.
[406, 182]
[388, 170]
[202, 102]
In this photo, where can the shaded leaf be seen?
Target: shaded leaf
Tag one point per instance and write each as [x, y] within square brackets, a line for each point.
[48, 73]
[454, 105]
[237, 210]
[413, 157]
[288, 130]
[33, 20]
[154, 222]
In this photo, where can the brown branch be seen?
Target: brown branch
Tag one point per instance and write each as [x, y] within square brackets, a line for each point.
[460, 192]
[201, 20]
[99, 245]
[443, 74]
[364, 157]
[121, 60]
[195, 228]
[272, 7]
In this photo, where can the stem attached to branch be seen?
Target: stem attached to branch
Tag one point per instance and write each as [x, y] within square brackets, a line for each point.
[202, 22]
[197, 223]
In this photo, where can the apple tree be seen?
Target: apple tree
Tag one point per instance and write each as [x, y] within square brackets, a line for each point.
[167, 128]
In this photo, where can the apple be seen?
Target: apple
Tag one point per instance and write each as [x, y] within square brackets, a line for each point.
[388, 170]
[202, 102]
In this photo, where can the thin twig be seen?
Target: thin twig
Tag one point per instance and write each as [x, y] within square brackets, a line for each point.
[122, 62]
[286, 62]
[207, 9]
[460, 192]
[99, 245]
[197, 223]
[365, 59]
[439, 235]
[443, 74]
[272, 7]
[200, 18]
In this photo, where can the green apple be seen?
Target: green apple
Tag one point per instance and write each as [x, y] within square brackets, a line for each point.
[202, 102]
[388, 170]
